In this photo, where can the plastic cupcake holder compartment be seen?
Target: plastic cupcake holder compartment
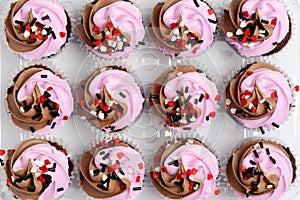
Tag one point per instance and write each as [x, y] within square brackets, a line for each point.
[146, 64]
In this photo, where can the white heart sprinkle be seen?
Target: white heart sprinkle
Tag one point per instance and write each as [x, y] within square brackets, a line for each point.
[183, 121]
[168, 134]
[186, 31]
[110, 103]
[104, 177]
[157, 169]
[44, 32]
[120, 45]
[243, 24]
[188, 46]
[181, 24]
[229, 34]
[262, 101]
[192, 119]
[179, 74]
[22, 109]
[239, 32]
[247, 97]
[118, 38]
[196, 85]
[26, 34]
[103, 49]
[262, 31]
[250, 106]
[92, 172]
[107, 33]
[233, 110]
[109, 42]
[124, 39]
[176, 31]
[191, 141]
[228, 102]
[34, 28]
[93, 112]
[191, 178]
[175, 98]
[261, 35]
[37, 174]
[101, 115]
[270, 107]
[173, 38]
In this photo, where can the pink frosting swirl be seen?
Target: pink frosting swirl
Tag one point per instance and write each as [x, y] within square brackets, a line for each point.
[282, 169]
[197, 19]
[269, 10]
[57, 21]
[132, 165]
[40, 153]
[60, 93]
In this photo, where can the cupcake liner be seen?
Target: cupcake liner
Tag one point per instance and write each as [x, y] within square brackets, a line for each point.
[290, 193]
[25, 64]
[172, 137]
[287, 46]
[201, 69]
[96, 63]
[7, 194]
[236, 70]
[91, 52]
[106, 138]
[64, 47]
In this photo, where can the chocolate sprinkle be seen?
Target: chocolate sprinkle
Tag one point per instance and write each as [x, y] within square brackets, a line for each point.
[196, 3]
[31, 129]
[96, 172]
[141, 43]
[51, 169]
[103, 167]
[187, 128]
[196, 101]
[53, 125]
[45, 17]
[273, 160]
[212, 21]
[19, 180]
[265, 21]
[154, 96]
[136, 188]
[274, 43]
[268, 151]
[174, 162]
[44, 76]
[262, 130]
[37, 108]
[53, 35]
[54, 165]
[256, 154]
[98, 96]
[19, 22]
[49, 122]
[30, 189]
[1, 162]
[201, 97]
[252, 171]
[34, 117]
[47, 94]
[33, 21]
[114, 176]
[122, 95]
[275, 125]
[179, 93]
[261, 145]
[186, 90]
[101, 153]
[9, 90]
[207, 117]
[60, 189]
[252, 162]
[54, 114]
[105, 156]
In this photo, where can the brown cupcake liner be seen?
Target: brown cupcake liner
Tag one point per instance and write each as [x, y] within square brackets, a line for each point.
[292, 191]
[255, 131]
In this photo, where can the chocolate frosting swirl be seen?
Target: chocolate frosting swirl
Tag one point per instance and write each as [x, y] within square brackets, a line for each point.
[39, 101]
[112, 170]
[37, 169]
[259, 168]
[109, 98]
[259, 96]
[181, 171]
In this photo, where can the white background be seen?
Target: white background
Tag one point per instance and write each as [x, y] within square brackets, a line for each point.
[146, 63]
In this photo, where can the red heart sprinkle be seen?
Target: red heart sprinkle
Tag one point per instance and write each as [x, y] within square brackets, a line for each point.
[209, 176]
[189, 172]
[247, 92]
[96, 29]
[42, 99]
[174, 25]
[62, 34]
[116, 141]
[243, 169]
[116, 32]
[191, 183]
[218, 98]
[171, 103]
[190, 187]
[183, 175]
[43, 169]
[120, 155]
[47, 162]
[167, 118]
[155, 175]
[212, 114]
[249, 73]
[32, 36]
[109, 24]
[63, 151]
[28, 27]
[206, 96]
[274, 95]
[164, 169]
[98, 42]
[247, 32]
[274, 21]
[194, 171]
[107, 37]
[255, 101]
[40, 36]
[296, 88]
[140, 165]
[217, 192]
[9, 180]
[105, 108]
[49, 88]
[210, 11]
[254, 38]
[246, 13]
[56, 106]
[96, 102]
[244, 39]
[59, 75]
[111, 169]
[244, 102]
[253, 109]
[122, 186]
[195, 50]
[138, 179]
[65, 117]
[2, 152]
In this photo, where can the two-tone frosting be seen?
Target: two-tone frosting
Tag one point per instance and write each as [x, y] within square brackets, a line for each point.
[38, 169]
[261, 169]
[185, 98]
[112, 170]
[111, 28]
[256, 27]
[183, 28]
[40, 100]
[110, 98]
[259, 97]
[185, 169]
[37, 28]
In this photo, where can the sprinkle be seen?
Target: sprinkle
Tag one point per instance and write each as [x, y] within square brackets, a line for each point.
[122, 95]
[210, 11]
[140, 165]
[274, 21]
[243, 24]
[228, 102]
[53, 125]
[186, 128]
[33, 21]
[65, 117]
[201, 97]
[168, 133]
[179, 73]
[233, 110]
[274, 43]
[154, 96]
[256, 154]
[62, 34]
[239, 32]
[34, 28]
[268, 151]
[229, 34]
[209, 176]
[174, 162]
[212, 21]
[157, 169]
[19, 22]
[273, 160]
[262, 130]
[26, 34]
[179, 93]
[53, 35]
[136, 188]
[217, 192]
[141, 43]
[269, 186]
[105, 156]
[47, 94]
[31, 129]
[252, 162]
[265, 21]
[138, 179]
[44, 76]
[30, 189]
[196, 3]
[45, 17]
[92, 112]
[261, 145]
[275, 125]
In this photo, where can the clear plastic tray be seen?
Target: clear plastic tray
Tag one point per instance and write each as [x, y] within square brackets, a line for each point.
[147, 63]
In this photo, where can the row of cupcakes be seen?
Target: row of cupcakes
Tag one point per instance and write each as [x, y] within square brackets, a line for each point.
[259, 96]
[111, 29]
[182, 168]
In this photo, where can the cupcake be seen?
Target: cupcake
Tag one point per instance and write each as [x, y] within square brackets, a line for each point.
[111, 28]
[185, 169]
[39, 101]
[38, 169]
[37, 28]
[183, 28]
[256, 27]
[261, 169]
[109, 98]
[185, 98]
[113, 170]
[259, 96]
